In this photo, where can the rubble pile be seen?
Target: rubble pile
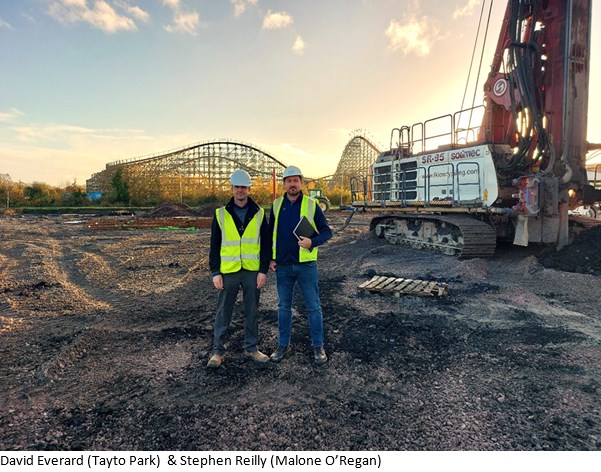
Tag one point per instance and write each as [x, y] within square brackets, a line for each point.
[582, 256]
[170, 210]
[167, 215]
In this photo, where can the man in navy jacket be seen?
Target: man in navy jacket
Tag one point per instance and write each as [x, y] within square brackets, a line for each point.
[294, 260]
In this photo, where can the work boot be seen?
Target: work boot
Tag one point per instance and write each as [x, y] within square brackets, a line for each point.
[257, 356]
[319, 354]
[279, 354]
[215, 361]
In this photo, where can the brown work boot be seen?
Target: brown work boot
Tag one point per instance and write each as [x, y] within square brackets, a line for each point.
[215, 361]
[257, 356]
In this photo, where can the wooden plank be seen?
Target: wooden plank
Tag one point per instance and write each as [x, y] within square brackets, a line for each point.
[365, 284]
[420, 288]
[429, 288]
[397, 282]
[412, 288]
[386, 286]
[373, 282]
[409, 288]
[392, 288]
[383, 281]
[444, 290]
[382, 284]
[404, 284]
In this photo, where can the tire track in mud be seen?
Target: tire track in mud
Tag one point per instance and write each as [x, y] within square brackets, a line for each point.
[40, 263]
[52, 264]
[59, 365]
[10, 320]
[102, 273]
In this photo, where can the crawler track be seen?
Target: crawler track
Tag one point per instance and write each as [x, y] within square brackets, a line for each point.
[457, 235]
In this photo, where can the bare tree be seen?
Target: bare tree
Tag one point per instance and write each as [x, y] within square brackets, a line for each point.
[5, 184]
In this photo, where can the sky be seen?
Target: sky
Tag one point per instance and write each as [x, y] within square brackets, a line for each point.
[87, 82]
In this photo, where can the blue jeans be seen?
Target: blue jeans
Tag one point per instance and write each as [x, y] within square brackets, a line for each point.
[305, 275]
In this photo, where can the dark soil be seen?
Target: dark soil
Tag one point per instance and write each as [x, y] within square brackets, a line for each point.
[582, 256]
[104, 339]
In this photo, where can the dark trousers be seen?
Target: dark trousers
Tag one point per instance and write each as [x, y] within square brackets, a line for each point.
[225, 308]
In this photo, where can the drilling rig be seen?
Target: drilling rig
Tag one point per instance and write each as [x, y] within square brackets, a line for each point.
[458, 187]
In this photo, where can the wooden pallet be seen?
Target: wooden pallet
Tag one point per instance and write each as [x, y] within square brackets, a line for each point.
[399, 286]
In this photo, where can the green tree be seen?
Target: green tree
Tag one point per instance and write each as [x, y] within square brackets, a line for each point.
[120, 193]
[74, 195]
[41, 194]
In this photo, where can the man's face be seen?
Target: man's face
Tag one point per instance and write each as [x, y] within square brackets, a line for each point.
[240, 193]
[293, 185]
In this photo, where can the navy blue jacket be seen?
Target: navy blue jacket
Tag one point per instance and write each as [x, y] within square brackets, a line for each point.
[287, 247]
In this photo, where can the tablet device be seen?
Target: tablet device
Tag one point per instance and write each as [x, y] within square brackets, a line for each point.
[304, 229]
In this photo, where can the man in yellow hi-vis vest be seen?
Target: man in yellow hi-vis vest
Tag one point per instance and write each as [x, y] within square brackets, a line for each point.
[294, 260]
[239, 257]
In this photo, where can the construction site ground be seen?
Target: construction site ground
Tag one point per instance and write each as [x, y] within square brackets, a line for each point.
[105, 336]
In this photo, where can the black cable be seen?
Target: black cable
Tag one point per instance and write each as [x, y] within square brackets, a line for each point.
[481, 54]
[469, 73]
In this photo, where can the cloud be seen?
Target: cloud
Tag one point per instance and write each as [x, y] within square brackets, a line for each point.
[241, 5]
[466, 10]
[276, 20]
[281, 19]
[299, 46]
[173, 4]
[10, 115]
[101, 16]
[4, 24]
[57, 152]
[51, 132]
[135, 11]
[68, 136]
[414, 36]
[183, 22]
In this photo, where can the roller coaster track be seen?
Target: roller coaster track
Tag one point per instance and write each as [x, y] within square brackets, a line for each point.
[358, 154]
[208, 165]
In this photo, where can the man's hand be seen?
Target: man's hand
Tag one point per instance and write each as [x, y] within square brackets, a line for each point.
[218, 281]
[272, 265]
[261, 280]
[305, 242]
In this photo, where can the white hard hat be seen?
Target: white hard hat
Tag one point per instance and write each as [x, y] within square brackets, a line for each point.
[240, 178]
[291, 171]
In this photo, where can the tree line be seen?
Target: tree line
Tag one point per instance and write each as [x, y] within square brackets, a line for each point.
[40, 194]
[127, 191]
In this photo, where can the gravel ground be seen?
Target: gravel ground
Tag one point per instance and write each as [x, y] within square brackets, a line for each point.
[104, 338]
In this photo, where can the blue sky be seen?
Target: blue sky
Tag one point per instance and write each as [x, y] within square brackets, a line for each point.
[85, 83]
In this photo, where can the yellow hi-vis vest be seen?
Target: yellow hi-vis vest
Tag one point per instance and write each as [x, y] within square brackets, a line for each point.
[307, 209]
[239, 252]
